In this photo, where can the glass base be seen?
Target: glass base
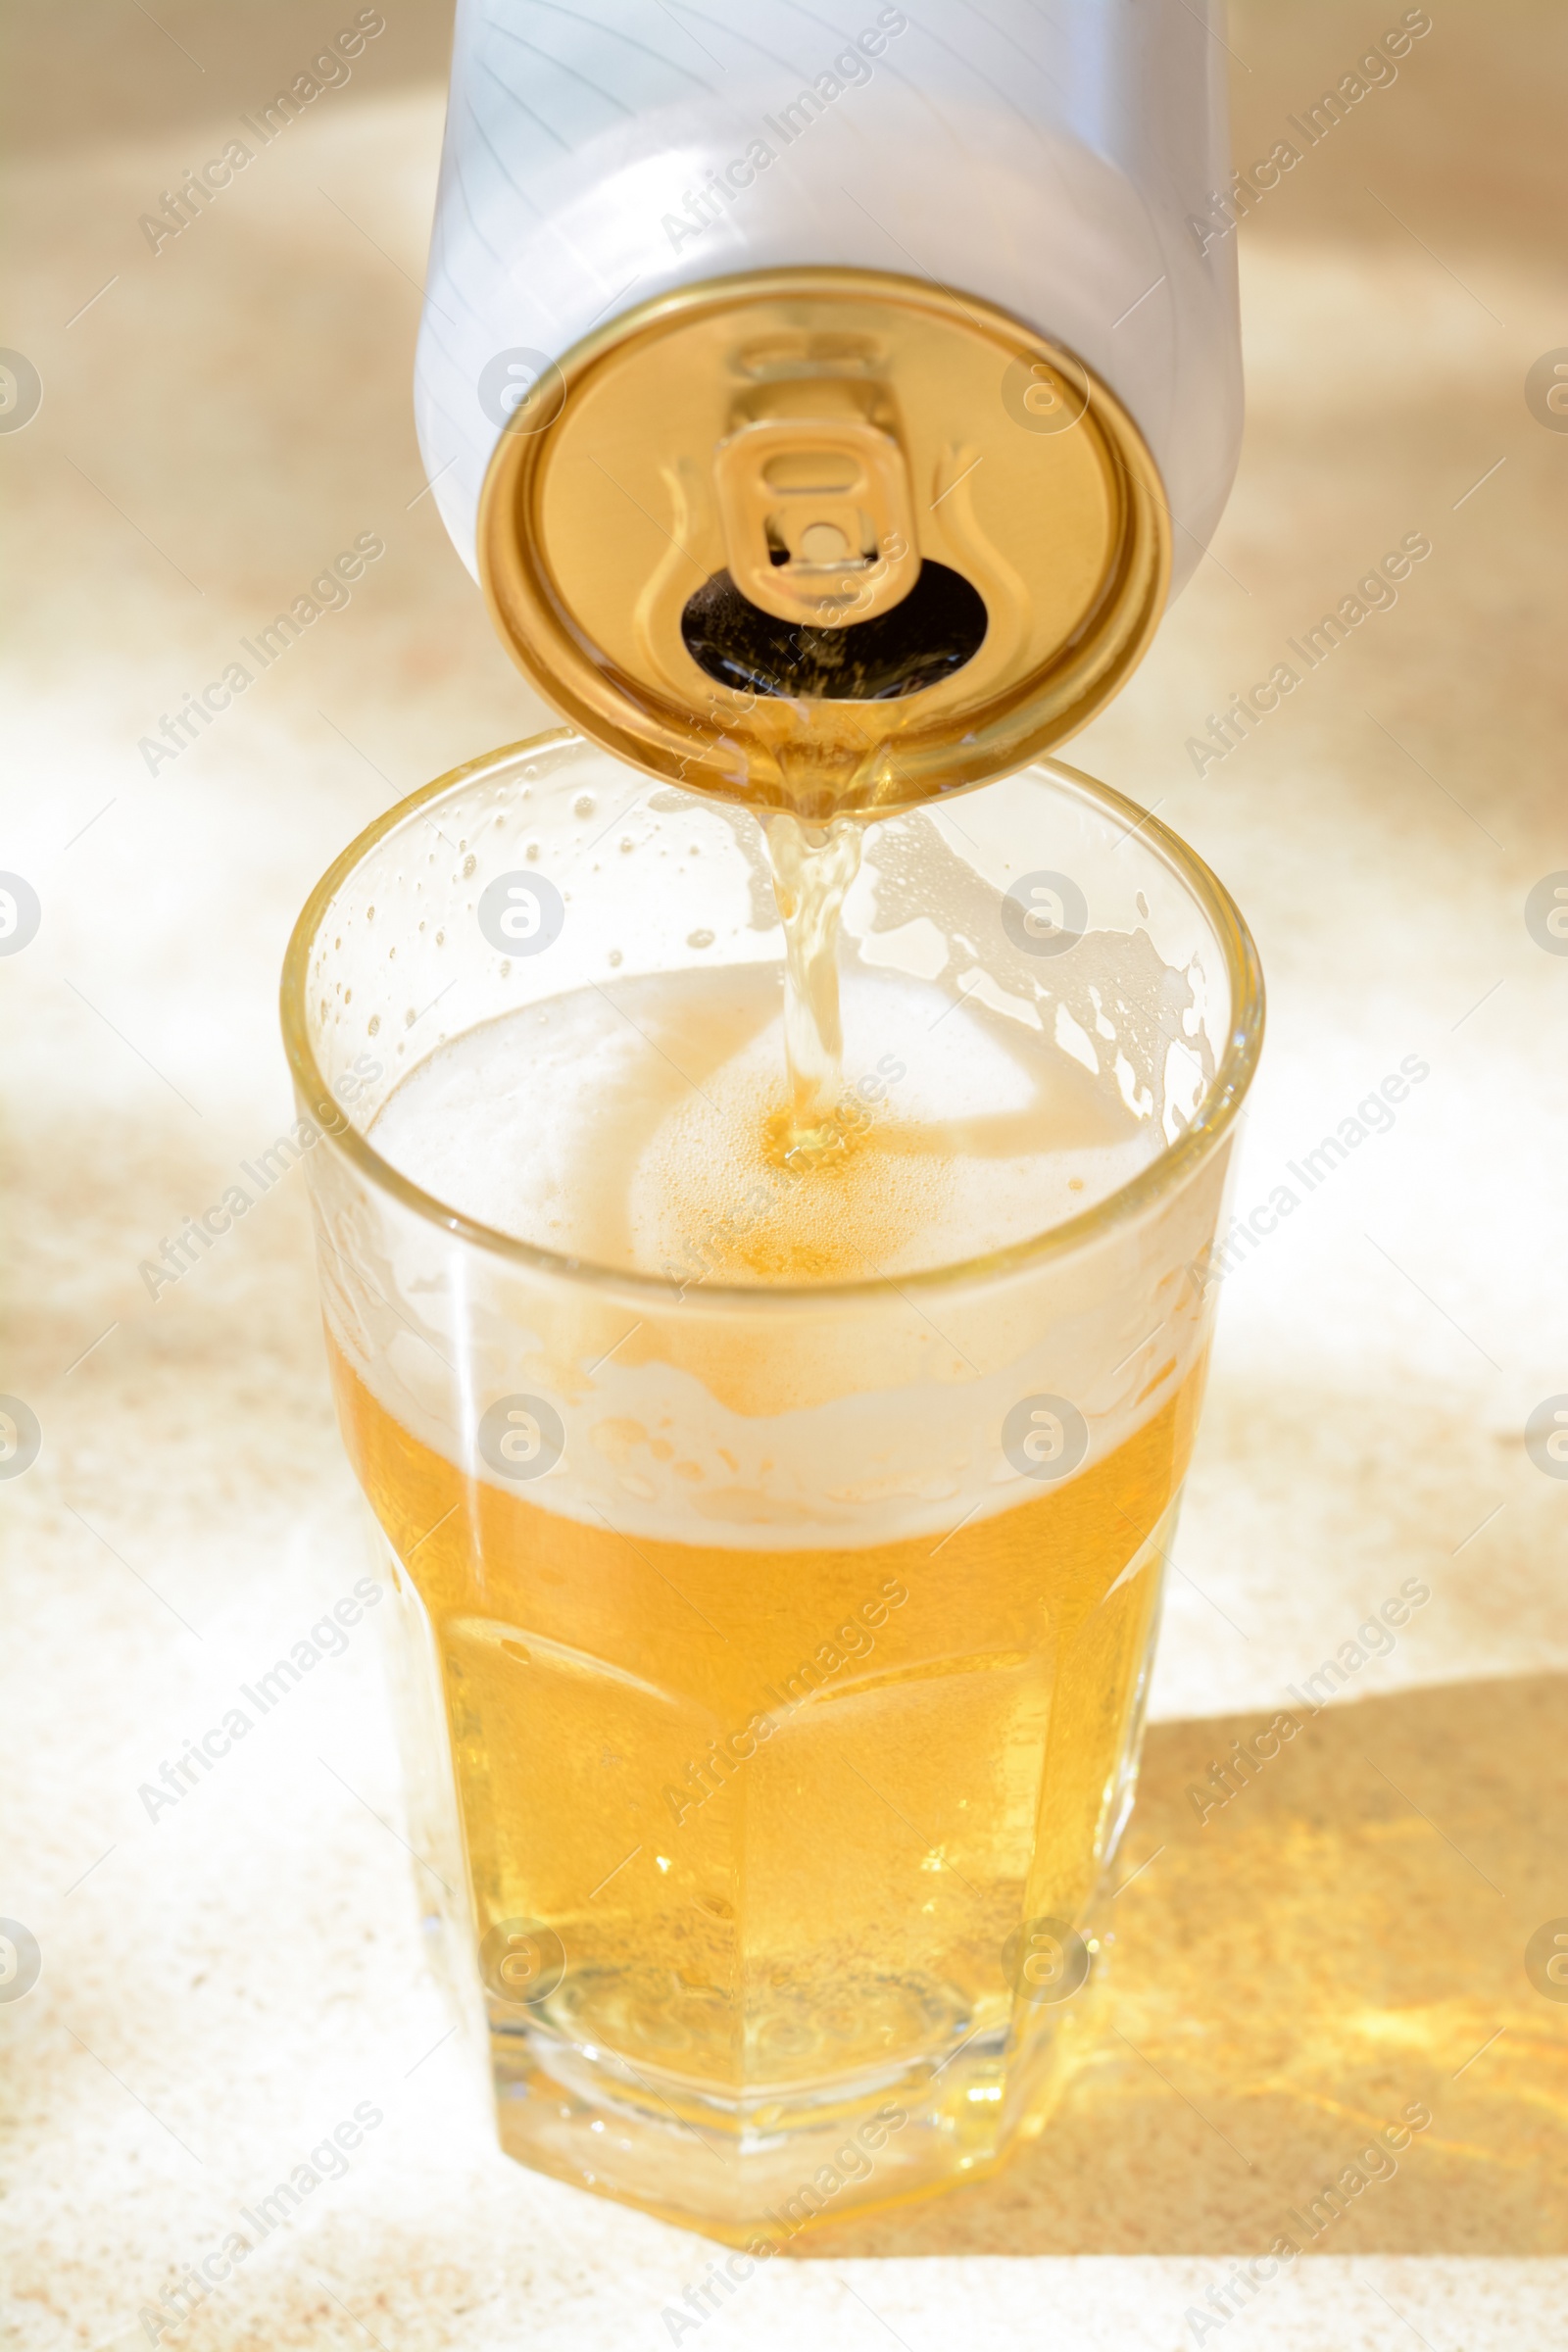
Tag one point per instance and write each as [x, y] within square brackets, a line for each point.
[754, 2165]
[764, 2167]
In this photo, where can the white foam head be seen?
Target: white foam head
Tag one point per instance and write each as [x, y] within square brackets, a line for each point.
[604, 1103]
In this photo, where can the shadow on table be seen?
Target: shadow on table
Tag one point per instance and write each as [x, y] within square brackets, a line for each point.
[1345, 1938]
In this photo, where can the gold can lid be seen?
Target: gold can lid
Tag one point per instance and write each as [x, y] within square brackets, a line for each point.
[825, 540]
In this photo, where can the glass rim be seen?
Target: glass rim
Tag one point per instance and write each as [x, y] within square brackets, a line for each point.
[1172, 1164]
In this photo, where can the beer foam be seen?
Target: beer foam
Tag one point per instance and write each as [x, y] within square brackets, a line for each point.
[636, 1127]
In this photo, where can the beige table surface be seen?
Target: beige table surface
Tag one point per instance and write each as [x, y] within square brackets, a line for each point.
[223, 1986]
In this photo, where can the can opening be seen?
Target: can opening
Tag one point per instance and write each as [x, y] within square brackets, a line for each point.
[939, 626]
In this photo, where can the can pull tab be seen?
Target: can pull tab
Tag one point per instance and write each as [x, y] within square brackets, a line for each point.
[817, 518]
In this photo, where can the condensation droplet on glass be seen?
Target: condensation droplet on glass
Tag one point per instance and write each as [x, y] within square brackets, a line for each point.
[615, 955]
[698, 939]
[626, 843]
[375, 1023]
[583, 805]
[1142, 903]
[468, 866]
[531, 852]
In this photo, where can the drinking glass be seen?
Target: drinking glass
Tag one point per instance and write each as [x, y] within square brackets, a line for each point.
[772, 1658]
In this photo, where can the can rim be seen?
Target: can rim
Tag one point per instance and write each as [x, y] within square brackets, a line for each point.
[1168, 1169]
[1017, 721]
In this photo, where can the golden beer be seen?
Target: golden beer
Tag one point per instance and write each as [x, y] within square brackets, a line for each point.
[783, 1809]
